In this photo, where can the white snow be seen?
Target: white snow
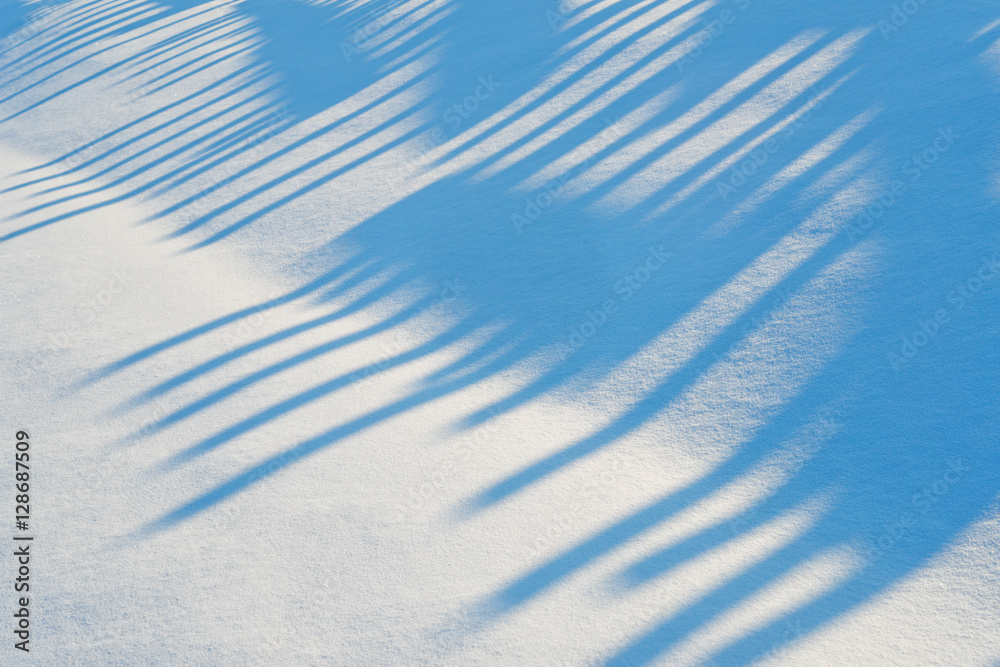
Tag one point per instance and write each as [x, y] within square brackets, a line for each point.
[438, 332]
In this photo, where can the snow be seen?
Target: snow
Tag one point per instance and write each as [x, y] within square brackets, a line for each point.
[440, 332]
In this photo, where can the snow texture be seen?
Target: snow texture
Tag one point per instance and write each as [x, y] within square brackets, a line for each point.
[503, 332]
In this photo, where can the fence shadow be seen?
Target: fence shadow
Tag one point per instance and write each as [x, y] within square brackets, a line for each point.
[613, 187]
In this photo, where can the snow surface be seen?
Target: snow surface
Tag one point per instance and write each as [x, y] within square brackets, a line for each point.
[674, 342]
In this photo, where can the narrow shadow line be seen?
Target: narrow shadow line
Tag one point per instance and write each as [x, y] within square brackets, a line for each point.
[152, 350]
[698, 614]
[220, 360]
[280, 461]
[311, 395]
[273, 369]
